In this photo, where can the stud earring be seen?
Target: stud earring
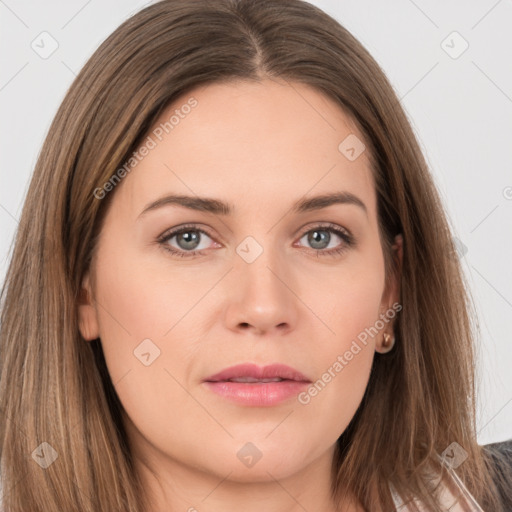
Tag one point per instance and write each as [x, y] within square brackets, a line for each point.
[388, 343]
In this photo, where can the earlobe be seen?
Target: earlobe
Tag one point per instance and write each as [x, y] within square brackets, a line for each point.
[87, 315]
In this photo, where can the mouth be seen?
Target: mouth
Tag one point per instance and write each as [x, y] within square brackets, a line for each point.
[252, 385]
[249, 372]
[252, 380]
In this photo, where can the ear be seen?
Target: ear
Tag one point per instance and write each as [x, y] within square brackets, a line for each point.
[391, 294]
[87, 314]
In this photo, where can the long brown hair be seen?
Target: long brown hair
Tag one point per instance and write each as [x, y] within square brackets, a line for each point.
[54, 387]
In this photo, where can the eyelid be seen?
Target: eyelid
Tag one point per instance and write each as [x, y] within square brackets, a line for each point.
[319, 225]
[179, 229]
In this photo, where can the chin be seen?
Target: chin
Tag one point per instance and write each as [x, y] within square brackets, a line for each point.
[246, 461]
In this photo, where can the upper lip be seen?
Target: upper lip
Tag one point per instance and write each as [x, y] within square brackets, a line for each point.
[258, 372]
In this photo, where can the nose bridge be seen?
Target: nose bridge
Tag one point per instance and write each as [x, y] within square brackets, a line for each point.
[261, 296]
[258, 262]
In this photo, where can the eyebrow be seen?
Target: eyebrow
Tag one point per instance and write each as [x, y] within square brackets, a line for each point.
[219, 207]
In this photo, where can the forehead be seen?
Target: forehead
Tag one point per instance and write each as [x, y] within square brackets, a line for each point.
[255, 144]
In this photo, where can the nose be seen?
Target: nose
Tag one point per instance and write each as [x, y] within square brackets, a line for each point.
[262, 296]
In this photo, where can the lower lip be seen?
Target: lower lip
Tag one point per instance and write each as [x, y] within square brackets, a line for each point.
[258, 394]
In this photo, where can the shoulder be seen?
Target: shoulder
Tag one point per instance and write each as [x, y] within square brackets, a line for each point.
[500, 456]
[503, 447]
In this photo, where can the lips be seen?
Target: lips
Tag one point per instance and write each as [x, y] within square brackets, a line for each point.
[251, 385]
[252, 374]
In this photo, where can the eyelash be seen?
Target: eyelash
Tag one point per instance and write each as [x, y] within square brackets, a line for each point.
[344, 235]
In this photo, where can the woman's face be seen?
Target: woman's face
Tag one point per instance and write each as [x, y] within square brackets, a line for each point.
[273, 282]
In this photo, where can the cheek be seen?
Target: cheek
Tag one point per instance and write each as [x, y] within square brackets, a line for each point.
[140, 299]
[343, 363]
[138, 311]
[349, 307]
[348, 300]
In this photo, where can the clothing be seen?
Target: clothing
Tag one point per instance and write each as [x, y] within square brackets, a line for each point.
[501, 456]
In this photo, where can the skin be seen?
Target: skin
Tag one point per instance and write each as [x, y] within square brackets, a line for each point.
[260, 147]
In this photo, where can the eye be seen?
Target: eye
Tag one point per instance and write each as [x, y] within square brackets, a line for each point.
[188, 239]
[320, 238]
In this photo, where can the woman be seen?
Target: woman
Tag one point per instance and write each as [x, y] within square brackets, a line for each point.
[237, 284]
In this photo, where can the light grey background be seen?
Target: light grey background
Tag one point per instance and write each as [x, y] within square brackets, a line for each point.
[460, 107]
